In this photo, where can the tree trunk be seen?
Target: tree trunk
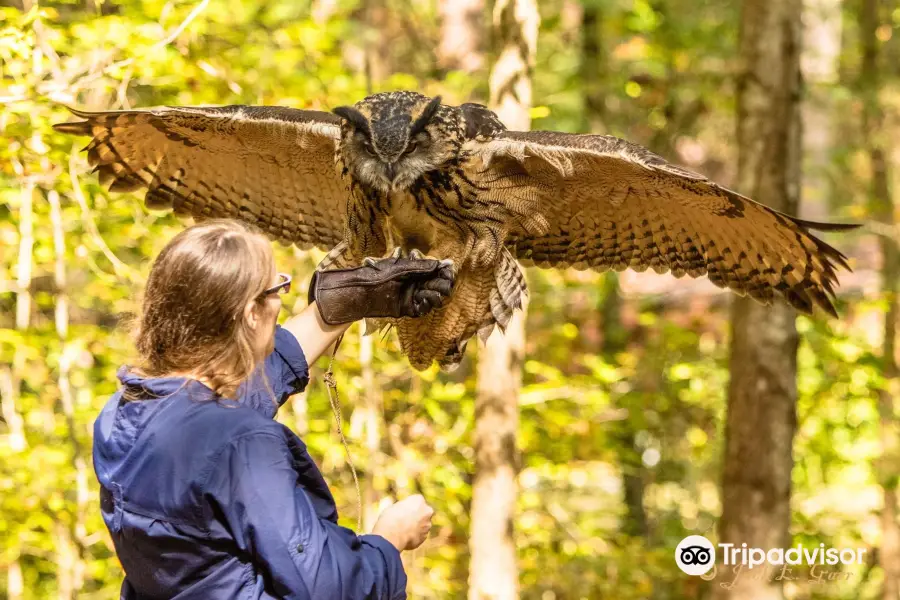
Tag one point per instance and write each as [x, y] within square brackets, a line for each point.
[515, 30]
[872, 16]
[493, 573]
[72, 567]
[378, 67]
[593, 70]
[372, 419]
[819, 62]
[322, 10]
[377, 55]
[15, 589]
[762, 393]
[593, 77]
[462, 40]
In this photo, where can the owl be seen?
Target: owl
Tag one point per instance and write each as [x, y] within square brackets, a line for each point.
[402, 174]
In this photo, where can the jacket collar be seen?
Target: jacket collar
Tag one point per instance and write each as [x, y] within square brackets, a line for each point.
[161, 387]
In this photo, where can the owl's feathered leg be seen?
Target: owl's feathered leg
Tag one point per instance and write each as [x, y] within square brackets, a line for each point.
[506, 297]
[339, 257]
[481, 299]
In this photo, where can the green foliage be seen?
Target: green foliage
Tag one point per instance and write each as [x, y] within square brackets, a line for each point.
[650, 412]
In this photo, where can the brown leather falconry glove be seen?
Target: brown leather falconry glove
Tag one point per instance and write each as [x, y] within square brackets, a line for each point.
[390, 287]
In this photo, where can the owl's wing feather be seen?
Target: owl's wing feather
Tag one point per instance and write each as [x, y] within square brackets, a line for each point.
[270, 166]
[610, 204]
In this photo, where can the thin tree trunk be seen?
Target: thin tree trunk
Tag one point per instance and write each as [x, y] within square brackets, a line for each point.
[322, 10]
[15, 582]
[762, 393]
[872, 16]
[515, 29]
[14, 585]
[65, 562]
[378, 67]
[593, 77]
[300, 410]
[73, 540]
[8, 401]
[493, 572]
[633, 484]
[819, 61]
[377, 58]
[462, 42]
[372, 420]
[593, 68]
[24, 264]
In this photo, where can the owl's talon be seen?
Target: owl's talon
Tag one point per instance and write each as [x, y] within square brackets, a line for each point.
[370, 262]
[415, 254]
[447, 264]
[397, 252]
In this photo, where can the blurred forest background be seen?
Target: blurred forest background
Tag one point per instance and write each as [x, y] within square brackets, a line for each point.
[644, 408]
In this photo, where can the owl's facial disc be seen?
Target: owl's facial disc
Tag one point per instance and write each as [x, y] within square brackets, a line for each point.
[389, 145]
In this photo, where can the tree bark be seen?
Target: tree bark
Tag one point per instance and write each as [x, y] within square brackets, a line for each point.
[377, 57]
[15, 589]
[493, 572]
[515, 30]
[762, 392]
[72, 567]
[593, 69]
[819, 62]
[462, 41]
[372, 419]
[593, 77]
[872, 16]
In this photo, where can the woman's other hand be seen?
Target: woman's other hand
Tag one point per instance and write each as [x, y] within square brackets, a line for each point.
[405, 524]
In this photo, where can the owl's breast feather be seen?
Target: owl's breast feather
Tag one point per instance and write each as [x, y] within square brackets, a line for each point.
[409, 226]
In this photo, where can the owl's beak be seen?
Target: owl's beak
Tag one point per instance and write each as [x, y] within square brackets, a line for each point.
[391, 171]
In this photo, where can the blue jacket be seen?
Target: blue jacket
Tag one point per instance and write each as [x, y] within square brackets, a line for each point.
[209, 499]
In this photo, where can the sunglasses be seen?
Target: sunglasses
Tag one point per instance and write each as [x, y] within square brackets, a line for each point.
[282, 287]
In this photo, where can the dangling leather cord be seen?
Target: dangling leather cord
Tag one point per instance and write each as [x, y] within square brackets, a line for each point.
[331, 384]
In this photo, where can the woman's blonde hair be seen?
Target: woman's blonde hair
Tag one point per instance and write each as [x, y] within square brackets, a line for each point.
[192, 318]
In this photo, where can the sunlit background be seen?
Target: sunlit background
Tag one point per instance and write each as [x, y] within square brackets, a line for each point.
[624, 384]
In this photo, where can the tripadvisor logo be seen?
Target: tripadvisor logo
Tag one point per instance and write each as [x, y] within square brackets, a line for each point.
[696, 555]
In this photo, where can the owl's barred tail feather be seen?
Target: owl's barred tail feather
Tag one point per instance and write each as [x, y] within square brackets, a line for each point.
[481, 299]
[506, 297]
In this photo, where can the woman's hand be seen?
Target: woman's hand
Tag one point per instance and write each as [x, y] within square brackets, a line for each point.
[405, 524]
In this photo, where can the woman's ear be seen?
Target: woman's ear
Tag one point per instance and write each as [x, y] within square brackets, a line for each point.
[253, 314]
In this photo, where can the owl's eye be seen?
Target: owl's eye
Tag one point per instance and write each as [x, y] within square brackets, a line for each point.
[411, 147]
[368, 149]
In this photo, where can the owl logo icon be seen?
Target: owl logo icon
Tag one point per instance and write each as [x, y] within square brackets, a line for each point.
[695, 555]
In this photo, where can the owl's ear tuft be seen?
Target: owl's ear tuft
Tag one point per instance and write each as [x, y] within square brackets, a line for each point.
[427, 114]
[481, 122]
[354, 117]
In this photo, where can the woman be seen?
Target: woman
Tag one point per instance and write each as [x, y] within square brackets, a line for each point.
[204, 494]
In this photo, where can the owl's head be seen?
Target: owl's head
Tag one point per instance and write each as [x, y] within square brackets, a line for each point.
[390, 140]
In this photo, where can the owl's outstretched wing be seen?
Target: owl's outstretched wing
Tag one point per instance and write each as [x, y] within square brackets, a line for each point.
[610, 204]
[270, 166]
